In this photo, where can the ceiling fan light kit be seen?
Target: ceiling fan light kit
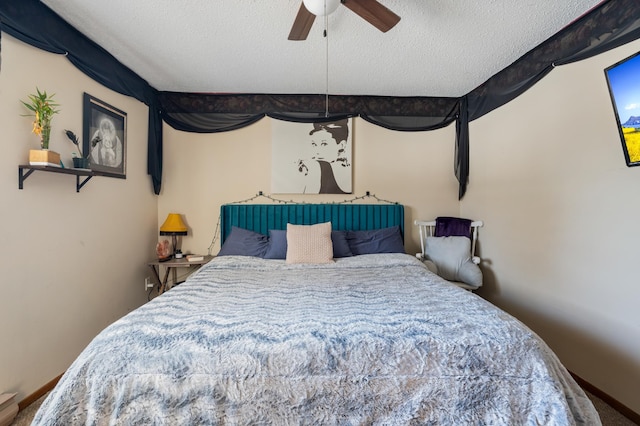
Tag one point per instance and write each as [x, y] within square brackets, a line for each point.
[321, 7]
[371, 11]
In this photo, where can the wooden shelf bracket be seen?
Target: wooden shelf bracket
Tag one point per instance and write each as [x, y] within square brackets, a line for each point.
[82, 176]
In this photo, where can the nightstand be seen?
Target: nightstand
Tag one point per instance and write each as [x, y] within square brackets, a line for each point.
[172, 266]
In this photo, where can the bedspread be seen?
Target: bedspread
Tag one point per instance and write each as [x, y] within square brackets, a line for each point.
[373, 339]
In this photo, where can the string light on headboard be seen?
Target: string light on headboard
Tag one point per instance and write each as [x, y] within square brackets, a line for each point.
[277, 200]
[367, 195]
[262, 194]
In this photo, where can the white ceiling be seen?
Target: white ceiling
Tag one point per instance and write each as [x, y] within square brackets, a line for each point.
[439, 47]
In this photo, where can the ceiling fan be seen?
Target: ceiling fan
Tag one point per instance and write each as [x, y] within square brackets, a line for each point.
[370, 10]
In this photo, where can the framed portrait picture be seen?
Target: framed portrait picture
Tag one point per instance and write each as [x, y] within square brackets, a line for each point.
[104, 130]
[624, 88]
[311, 158]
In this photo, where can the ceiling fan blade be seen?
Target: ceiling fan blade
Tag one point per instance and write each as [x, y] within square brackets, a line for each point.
[302, 24]
[374, 13]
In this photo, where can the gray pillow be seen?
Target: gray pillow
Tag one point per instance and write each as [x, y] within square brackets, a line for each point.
[452, 259]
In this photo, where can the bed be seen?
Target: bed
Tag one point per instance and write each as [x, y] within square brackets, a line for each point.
[370, 338]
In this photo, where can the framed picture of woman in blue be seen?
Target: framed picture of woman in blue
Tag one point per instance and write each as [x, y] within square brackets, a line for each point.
[311, 158]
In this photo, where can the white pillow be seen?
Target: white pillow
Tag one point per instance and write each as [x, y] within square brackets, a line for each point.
[452, 259]
[309, 243]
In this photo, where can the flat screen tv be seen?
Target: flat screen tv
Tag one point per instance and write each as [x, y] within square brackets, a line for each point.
[623, 79]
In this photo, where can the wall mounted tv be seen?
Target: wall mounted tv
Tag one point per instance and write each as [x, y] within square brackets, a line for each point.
[623, 79]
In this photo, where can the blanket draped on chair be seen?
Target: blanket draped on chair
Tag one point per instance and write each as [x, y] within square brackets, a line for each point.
[452, 227]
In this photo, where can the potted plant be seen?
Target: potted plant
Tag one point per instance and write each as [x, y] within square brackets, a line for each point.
[80, 161]
[43, 108]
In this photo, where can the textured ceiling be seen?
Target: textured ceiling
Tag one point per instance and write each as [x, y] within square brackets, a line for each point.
[439, 47]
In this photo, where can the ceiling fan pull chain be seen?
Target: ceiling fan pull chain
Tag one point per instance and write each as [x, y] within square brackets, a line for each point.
[326, 41]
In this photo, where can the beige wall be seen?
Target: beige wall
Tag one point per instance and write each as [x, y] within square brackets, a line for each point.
[71, 263]
[202, 172]
[561, 232]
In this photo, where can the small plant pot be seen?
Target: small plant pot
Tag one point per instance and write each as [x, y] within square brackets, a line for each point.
[44, 157]
[80, 163]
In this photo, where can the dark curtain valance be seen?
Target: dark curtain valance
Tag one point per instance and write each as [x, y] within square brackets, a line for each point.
[611, 24]
[198, 112]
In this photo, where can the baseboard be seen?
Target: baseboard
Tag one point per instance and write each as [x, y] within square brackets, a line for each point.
[615, 404]
[30, 399]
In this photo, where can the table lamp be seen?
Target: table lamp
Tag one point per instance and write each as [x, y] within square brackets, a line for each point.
[173, 226]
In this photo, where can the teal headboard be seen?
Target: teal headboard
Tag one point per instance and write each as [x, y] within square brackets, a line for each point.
[354, 217]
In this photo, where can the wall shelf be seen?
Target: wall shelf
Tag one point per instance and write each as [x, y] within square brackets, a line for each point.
[82, 175]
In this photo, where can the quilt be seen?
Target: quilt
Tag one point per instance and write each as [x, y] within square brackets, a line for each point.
[367, 340]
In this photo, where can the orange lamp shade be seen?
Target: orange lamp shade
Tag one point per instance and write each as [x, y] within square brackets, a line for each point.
[173, 225]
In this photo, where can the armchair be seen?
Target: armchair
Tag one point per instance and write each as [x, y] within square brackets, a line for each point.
[448, 248]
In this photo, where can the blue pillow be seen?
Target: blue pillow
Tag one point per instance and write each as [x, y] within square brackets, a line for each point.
[278, 244]
[385, 240]
[242, 242]
[340, 245]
